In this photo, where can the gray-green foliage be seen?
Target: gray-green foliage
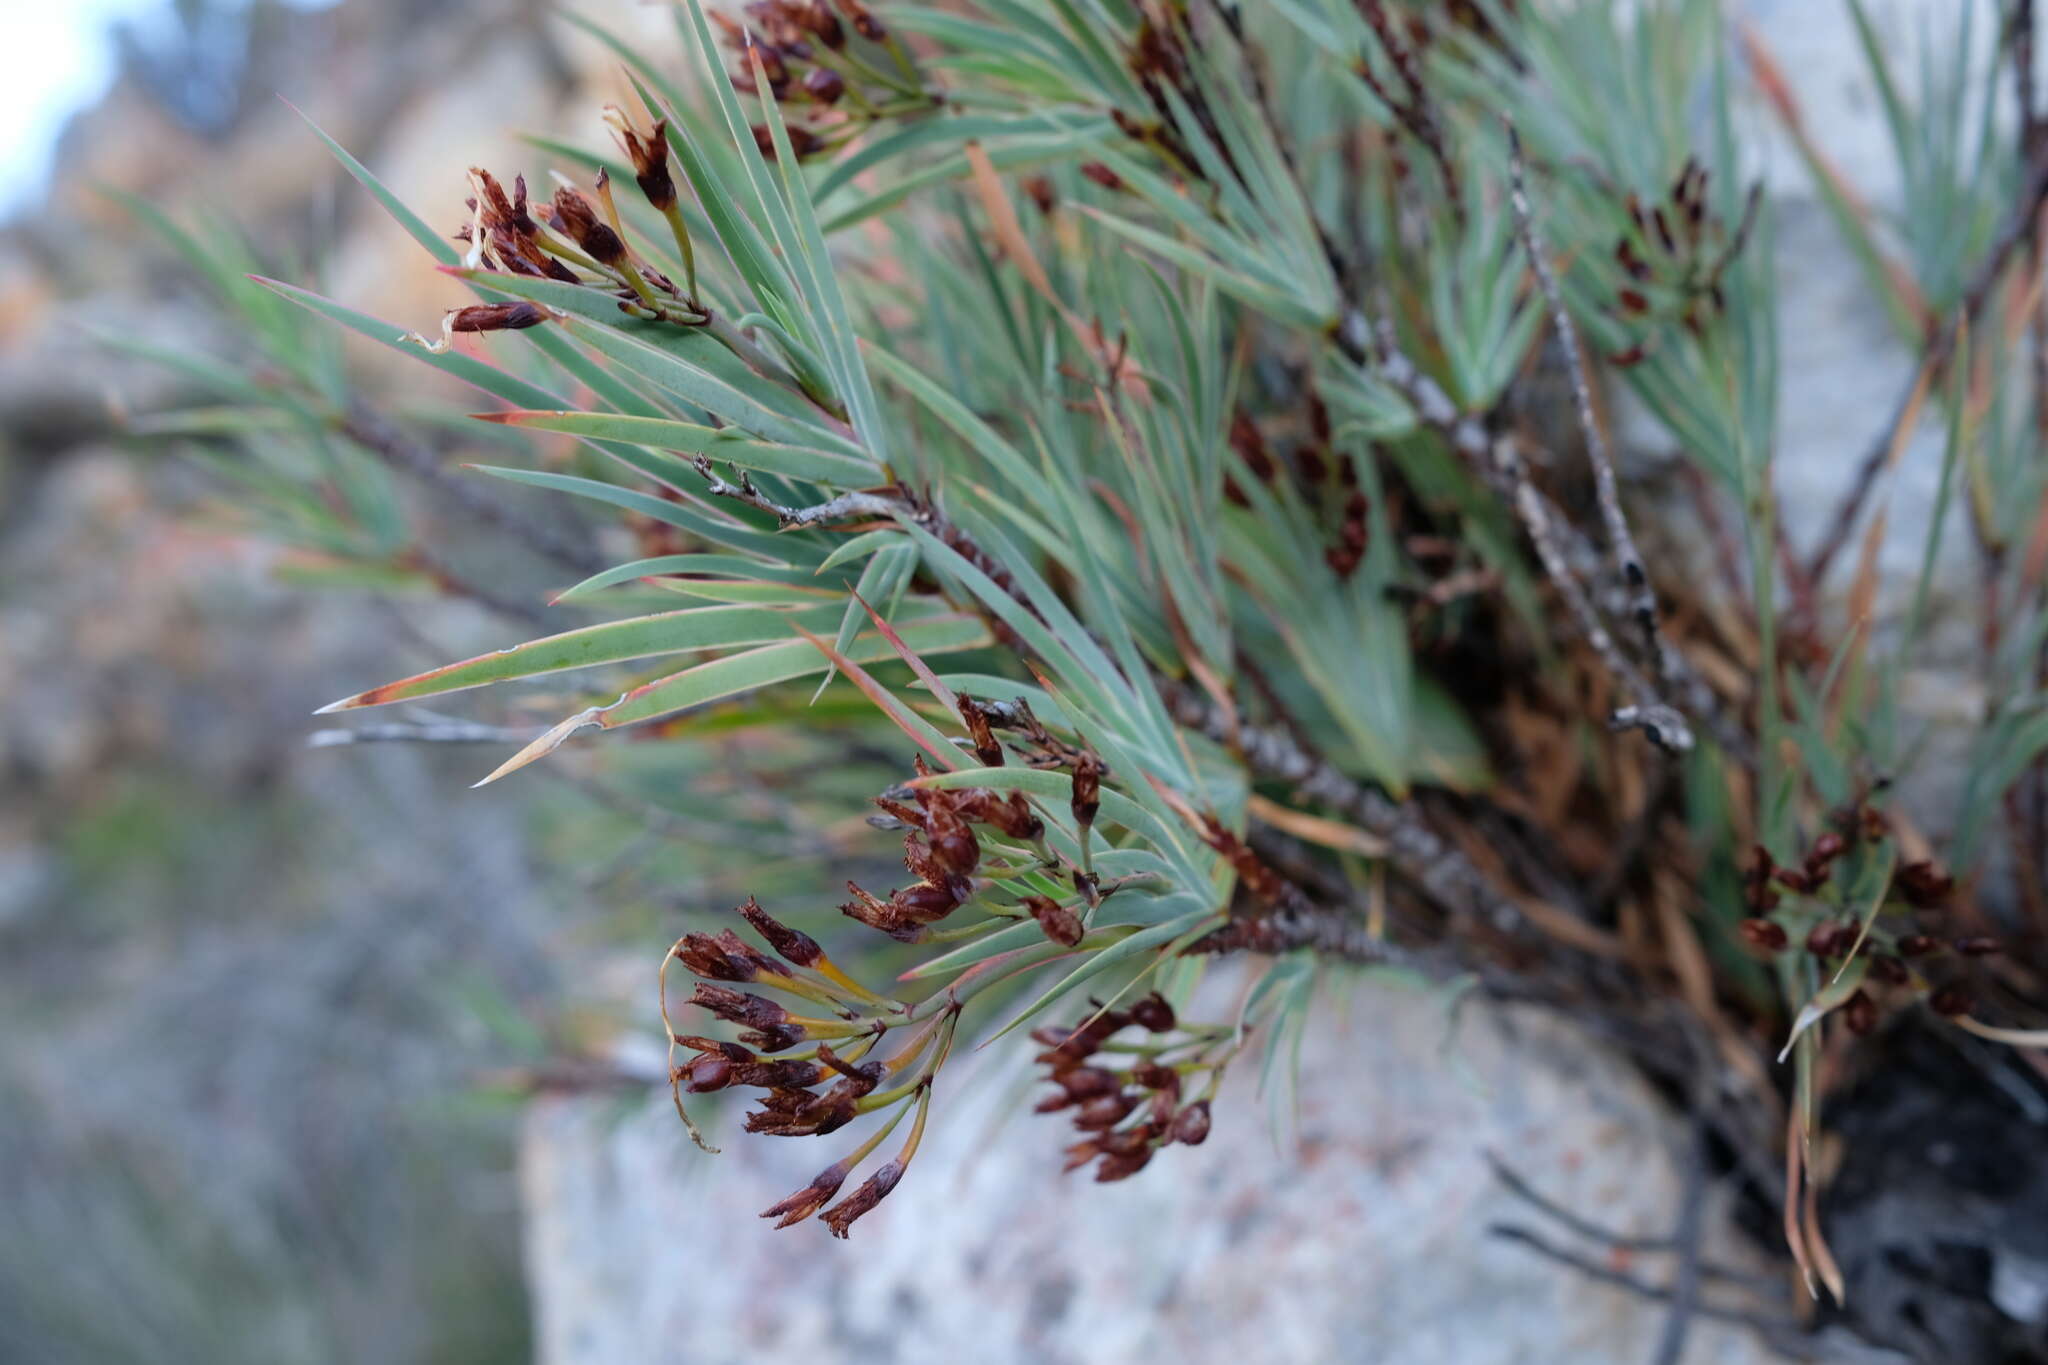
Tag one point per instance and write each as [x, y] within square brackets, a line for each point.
[977, 399]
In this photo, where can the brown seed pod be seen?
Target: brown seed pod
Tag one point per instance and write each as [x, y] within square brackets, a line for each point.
[1951, 1000]
[1765, 936]
[1060, 924]
[1153, 1013]
[824, 85]
[497, 317]
[1191, 1125]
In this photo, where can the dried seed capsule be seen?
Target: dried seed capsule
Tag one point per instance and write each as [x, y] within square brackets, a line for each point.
[1153, 1013]
[1154, 1076]
[1859, 1012]
[802, 141]
[811, 1197]
[1191, 1125]
[497, 317]
[871, 1192]
[1924, 886]
[1102, 175]
[953, 844]
[1951, 1000]
[824, 85]
[1087, 798]
[1889, 970]
[983, 735]
[1978, 946]
[1086, 1082]
[794, 945]
[1060, 924]
[704, 1074]
[649, 155]
[1766, 936]
[863, 21]
[1917, 945]
[1105, 1111]
[822, 24]
[1826, 939]
[575, 219]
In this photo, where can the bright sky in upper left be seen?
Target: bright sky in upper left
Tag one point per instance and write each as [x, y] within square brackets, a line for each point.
[56, 56]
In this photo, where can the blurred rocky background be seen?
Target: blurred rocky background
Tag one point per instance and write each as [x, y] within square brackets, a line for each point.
[261, 1005]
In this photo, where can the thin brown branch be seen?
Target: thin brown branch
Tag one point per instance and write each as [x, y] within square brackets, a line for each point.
[1642, 601]
[381, 438]
[1495, 462]
[1415, 851]
[845, 507]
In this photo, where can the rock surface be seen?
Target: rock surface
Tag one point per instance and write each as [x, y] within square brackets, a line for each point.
[1362, 1238]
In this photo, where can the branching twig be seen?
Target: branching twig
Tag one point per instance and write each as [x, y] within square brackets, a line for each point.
[845, 507]
[1664, 725]
[1414, 849]
[1620, 541]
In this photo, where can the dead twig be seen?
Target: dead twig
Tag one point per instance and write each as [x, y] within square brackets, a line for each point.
[1650, 712]
[845, 507]
[381, 438]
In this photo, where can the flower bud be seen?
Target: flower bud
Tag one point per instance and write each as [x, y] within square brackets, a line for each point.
[1917, 945]
[1191, 1125]
[1859, 1012]
[1978, 946]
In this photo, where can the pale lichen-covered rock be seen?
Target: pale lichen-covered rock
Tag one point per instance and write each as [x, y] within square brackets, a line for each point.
[1361, 1238]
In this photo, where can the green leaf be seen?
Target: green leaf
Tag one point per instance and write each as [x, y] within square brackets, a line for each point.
[612, 642]
[738, 673]
[718, 443]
